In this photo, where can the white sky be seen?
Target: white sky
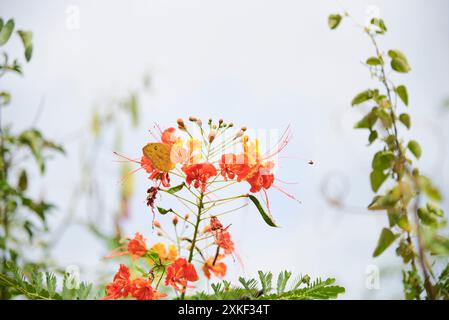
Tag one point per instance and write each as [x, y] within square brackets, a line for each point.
[264, 64]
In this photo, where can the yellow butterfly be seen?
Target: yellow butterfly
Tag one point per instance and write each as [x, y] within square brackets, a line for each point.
[159, 154]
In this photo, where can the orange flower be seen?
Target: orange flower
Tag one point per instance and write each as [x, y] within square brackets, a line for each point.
[223, 240]
[261, 177]
[199, 174]
[179, 273]
[232, 166]
[120, 287]
[168, 136]
[215, 224]
[218, 269]
[146, 165]
[141, 289]
[164, 254]
[155, 174]
[136, 248]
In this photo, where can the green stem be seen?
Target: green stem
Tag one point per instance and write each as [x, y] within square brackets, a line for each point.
[195, 232]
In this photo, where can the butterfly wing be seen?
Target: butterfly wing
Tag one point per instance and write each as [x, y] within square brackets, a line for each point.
[159, 155]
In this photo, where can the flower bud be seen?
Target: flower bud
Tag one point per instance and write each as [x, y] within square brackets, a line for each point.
[181, 124]
[244, 129]
[239, 134]
[175, 220]
[159, 234]
[187, 216]
[212, 135]
[193, 119]
[199, 122]
[156, 224]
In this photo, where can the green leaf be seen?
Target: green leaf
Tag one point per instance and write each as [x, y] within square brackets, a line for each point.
[282, 281]
[6, 32]
[266, 216]
[399, 61]
[367, 122]
[6, 98]
[27, 37]
[402, 93]
[372, 136]
[265, 280]
[435, 210]
[387, 237]
[374, 61]
[380, 24]
[383, 160]
[377, 178]
[175, 189]
[23, 181]
[415, 148]
[163, 211]
[405, 119]
[334, 20]
[429, 188]
[362, 97]
[427, 217]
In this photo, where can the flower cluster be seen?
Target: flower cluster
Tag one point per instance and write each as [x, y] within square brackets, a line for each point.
[122, 286]
[206, 160]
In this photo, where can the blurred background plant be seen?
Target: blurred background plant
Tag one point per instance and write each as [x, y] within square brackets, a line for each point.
[416, 221]
[206, 59]
[23, 217]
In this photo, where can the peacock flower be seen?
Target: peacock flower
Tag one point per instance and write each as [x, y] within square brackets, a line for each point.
[120, 287]
[223, 240]
[169, 255]
[199, 174]
[168, 136]
[179, 273]
[136, 248]
[212, 265]
[141, 289]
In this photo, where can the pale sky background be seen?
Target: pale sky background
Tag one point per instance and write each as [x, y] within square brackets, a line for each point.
[264, 64]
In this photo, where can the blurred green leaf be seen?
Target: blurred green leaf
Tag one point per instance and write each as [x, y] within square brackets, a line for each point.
[6, 31]
[382, 160]
[387, 237]
[367, 122]
[399, 61]
[334, 20]
[377, 178]
[415, 148]
[5, 98]
[405, 119]
[372, 136]
[374, 61]
[27, 37]
[363, 96]
[380, 24]
[23, 181]
[402, 93]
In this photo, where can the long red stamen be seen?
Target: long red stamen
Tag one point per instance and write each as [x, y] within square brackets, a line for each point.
[283, 142]
[286, 193]
[126, 158]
